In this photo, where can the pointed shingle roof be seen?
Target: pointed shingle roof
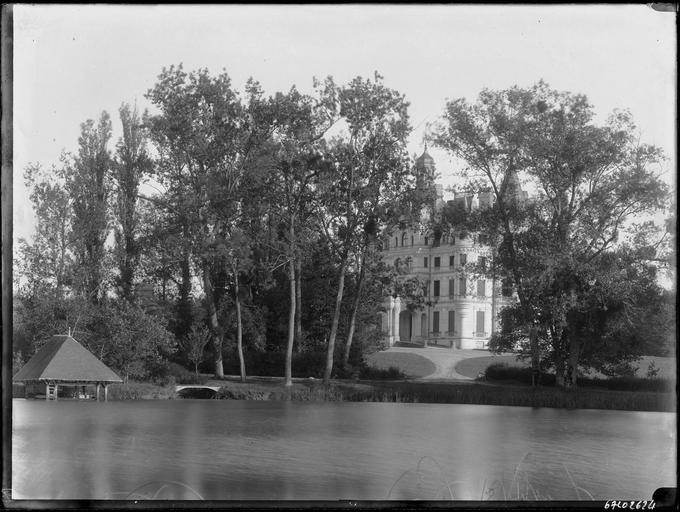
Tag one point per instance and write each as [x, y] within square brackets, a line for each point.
[64, 359]
[424, 161]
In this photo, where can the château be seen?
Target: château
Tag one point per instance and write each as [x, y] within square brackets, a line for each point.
[461, 302]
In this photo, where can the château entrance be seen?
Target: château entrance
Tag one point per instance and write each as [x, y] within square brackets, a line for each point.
[405, 325]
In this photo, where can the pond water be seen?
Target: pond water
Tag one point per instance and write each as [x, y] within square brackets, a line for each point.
[234, 450]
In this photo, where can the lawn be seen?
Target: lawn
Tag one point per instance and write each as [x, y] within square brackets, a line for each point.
[412, 365]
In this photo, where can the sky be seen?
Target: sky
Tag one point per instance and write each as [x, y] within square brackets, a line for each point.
[73, 61]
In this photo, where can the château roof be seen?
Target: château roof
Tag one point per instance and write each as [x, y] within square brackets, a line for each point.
[424, 160]
[64, 359]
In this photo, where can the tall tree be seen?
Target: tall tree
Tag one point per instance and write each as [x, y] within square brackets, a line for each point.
[371, 171]
[205, 135]
[132, 162]
[297, 145]
[46, 263]
[87, 181]
[587, 182]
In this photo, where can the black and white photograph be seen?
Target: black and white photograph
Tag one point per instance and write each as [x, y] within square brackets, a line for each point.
[343, 255]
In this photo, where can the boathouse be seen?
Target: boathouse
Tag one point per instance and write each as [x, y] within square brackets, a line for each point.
[63, 361]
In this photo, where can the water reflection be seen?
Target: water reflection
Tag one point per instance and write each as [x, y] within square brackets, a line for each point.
[280, 450]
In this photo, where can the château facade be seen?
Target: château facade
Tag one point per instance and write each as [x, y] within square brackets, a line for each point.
[460, 307]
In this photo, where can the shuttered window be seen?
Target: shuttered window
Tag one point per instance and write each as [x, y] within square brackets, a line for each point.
[480, 322]
[452, 322]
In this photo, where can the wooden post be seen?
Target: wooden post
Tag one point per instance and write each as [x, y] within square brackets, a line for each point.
[56, 391]
[106, 392]
[97, 391]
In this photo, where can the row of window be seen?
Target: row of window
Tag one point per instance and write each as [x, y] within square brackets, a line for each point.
[446, 239]
[479, 322]
[462, 287]
[437, 240]
[462, 260]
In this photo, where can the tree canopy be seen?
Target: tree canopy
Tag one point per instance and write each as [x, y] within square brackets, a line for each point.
[561, 241]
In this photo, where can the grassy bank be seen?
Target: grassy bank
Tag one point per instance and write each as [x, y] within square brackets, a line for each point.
[133, 390]
[446, 392]
[437, 392]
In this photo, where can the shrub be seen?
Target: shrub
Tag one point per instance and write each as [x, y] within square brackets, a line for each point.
[501, 371]
[272, 364]
[133, 390]
[178, 374]
[373, 373]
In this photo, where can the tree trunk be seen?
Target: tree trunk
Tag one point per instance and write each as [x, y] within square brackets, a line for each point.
[214, 323]
[355, 308]
[559, 372]
[334, 325]
[239, 328]
[298, 301]
[571, 372]
[184, 306]
[291, 312]
[535, 356]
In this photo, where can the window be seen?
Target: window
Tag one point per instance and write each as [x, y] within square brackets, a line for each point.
[452, 260]
[396, 241]
[480, 323]
[403, 239]
[451, 281]
[482, 262]
[435, 321]
[463, 259]
[452, 240]
[481, 288]
[452, 322]
[409, 262]
[436, 288]
[411, 240]
[426, 240]
[437, 261]
[425, 262]
[462, 287]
